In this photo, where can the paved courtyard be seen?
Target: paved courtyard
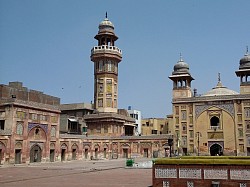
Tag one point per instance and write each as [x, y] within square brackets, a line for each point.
[76, 173]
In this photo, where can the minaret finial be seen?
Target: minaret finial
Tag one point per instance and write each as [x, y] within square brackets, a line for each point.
[106, 14]
[247, 50]
[219, 77]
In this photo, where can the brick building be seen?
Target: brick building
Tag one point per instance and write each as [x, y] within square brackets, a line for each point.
[29, 122]
[155, 126]
[72, 117]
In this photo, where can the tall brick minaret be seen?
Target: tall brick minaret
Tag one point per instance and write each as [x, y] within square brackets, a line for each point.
[107, 120]
[106, 57]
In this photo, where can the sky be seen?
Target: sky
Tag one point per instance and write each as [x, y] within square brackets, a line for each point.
[46, 45]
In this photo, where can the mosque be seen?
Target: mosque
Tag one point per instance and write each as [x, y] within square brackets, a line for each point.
[214, 123]
[35, 127]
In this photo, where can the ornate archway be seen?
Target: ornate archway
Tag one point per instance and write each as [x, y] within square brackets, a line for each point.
[74, 150]
[64, 150]
[35, 153]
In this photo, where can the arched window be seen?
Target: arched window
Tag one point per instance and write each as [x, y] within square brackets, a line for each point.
[215, 122]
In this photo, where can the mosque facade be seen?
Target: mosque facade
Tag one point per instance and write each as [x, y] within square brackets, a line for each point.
[214, 123]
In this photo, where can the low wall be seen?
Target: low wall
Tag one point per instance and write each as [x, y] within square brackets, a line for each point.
[201, 171]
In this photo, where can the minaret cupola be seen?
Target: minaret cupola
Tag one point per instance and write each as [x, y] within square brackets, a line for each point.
[244, 73]
[181, 78]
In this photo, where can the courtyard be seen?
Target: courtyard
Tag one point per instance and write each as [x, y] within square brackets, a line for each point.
[76, 173]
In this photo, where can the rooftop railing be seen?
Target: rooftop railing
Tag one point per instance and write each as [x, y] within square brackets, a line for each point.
[106, 48]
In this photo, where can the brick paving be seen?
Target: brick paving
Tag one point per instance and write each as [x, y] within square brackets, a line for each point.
[75, 173]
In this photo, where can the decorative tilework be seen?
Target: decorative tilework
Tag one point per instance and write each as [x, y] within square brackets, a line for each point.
[243, 184]
[166, 173]
[201, 108]
[32, 125]
[19, 129]
[41, 144]
[215, 174]
[190, 184]
[165, 184]
[240, 174]
[190, 173]
[53, 132]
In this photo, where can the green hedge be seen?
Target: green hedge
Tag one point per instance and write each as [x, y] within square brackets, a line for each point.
[215, 157]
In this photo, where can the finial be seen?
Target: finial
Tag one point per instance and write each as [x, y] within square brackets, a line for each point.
[106, 14]
[219, 84]
[181, 57]
[247, 50]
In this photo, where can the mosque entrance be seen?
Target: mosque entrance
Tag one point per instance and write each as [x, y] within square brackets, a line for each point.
[125, 153]
[18, 156]
[86, 153]
[52, 155]
[63, 153]
[216, 150]
[73, 154]
[35, 154]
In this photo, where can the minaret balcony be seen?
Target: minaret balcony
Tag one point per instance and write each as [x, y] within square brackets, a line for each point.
[106, 49]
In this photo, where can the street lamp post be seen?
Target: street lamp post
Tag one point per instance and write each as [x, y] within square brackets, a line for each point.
[170, 144]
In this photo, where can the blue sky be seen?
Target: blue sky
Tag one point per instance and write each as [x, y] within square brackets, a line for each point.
[46, 45]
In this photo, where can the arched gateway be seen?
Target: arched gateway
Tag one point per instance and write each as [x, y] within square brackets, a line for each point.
[216, 150]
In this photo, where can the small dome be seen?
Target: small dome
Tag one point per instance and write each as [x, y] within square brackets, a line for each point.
[245, 62]
[220, 90]
[181, 67]
[106, 24]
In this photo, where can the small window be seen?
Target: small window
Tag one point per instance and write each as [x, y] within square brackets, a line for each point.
[2, 124]
[37, 131]
[154, 131]
[184, 127]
